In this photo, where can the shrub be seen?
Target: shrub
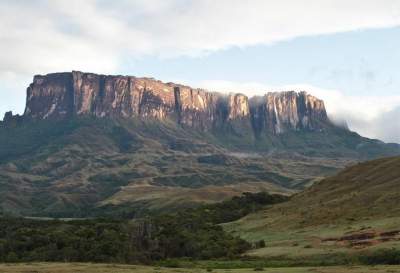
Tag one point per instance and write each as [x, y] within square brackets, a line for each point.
[259, 244]
[171, 263]
[384, 256]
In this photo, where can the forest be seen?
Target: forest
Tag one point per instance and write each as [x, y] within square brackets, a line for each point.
[190, 232]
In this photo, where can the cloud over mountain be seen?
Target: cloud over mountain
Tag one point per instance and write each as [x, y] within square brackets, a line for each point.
[42, 36]
[371, 116]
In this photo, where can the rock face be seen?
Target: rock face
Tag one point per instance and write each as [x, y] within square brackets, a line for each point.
[62, 95]
[12, 120]
[238, 105]
[281, 111]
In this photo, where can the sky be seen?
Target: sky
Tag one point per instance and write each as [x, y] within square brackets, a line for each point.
[346, 52]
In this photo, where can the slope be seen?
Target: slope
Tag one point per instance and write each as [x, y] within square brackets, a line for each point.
[85, 166]
[356, 210]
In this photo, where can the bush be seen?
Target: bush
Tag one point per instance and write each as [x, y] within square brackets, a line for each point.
[259, 244]
[171, 263]
[384, 256]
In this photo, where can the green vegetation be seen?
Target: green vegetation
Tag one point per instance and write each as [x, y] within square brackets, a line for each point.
[28, 137]
[88, 167]
[382, 256]
[193, 233]
[86, 240]
[79, 166]
[158, 174]
[232, 209]
[352, 217]
[114, 268]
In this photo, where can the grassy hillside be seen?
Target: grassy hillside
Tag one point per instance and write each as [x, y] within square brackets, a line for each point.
[86, 167]
[356, 211]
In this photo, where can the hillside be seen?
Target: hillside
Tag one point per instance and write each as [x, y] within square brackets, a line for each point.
[356, 210]
[90, 145]
[68, 169]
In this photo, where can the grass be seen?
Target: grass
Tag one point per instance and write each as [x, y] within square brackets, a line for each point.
[360, 200]
[115, 268]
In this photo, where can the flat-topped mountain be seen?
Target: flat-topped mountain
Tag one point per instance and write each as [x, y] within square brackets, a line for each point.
[91, 144]
[62, 95]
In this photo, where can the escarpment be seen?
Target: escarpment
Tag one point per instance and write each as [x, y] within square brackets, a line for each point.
[278, 112]
[68, 94]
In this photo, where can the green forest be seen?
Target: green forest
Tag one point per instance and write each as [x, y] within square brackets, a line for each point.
[191, 232]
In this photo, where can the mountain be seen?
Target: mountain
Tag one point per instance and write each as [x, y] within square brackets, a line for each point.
[355, 211]
[91, 144]
[62, 95]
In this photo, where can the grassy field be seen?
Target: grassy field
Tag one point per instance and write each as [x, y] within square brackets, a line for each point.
[350, 214]
[112, 268]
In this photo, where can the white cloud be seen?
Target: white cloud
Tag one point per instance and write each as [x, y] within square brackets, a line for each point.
[370, 116]
[42, 36]
[388, 125]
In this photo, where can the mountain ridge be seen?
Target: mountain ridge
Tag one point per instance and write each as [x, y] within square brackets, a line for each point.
[66, 94]
[122, 143]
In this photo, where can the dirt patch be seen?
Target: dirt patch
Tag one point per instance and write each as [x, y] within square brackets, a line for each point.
[359, 236]
[365, 238]
[390, 233]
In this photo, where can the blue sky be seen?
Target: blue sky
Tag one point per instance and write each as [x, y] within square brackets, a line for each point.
[345, 52]
[360, 62]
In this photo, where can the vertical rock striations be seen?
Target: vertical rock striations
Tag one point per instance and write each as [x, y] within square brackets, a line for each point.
[50, 96]
[279, 112]
[61, 95]
[238, 107]
[195, 107]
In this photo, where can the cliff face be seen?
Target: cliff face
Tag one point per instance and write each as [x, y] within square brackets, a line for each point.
[61, 95]
[281, 111]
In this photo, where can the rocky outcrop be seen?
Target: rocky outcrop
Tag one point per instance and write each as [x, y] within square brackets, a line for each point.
[50, 96]
[11, 120]
[282, 111]
[238, 106]
[61, 95]
[196, 107]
